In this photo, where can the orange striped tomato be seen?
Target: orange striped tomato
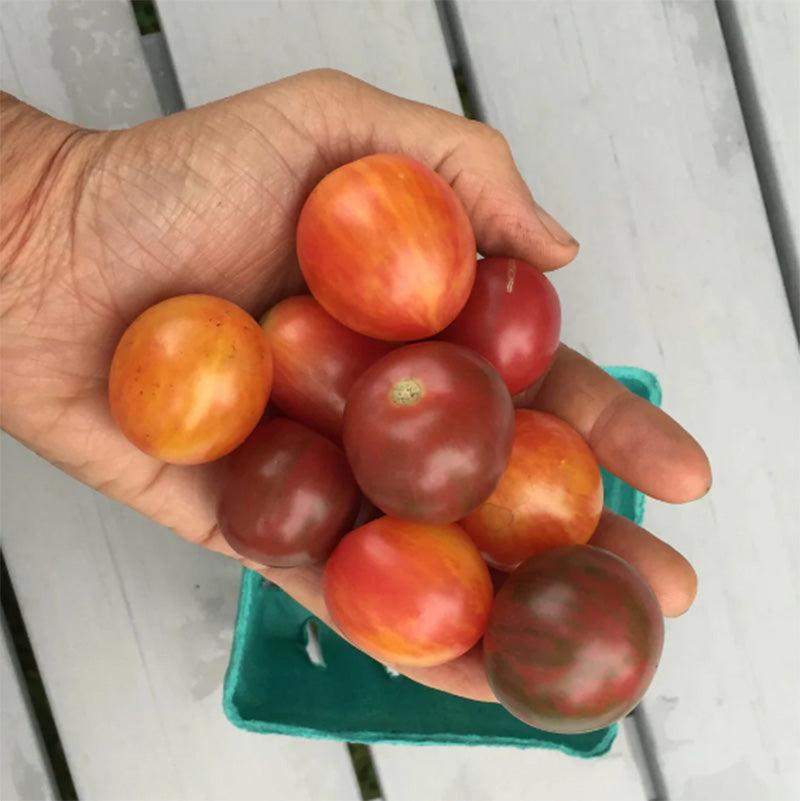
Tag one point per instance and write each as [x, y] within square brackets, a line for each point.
[409, 593]
[190, 379]
[386, 247]
[550, 494]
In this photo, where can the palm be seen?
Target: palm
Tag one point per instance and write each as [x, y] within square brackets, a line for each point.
[206, 202]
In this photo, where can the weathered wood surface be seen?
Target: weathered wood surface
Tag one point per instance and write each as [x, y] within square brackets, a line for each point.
[222, 48]
[625, 121]
[80, 61]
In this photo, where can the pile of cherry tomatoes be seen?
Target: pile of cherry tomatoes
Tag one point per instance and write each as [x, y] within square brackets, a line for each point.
[408, 467]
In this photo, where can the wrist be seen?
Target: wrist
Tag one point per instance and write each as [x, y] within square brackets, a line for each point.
[42, 161]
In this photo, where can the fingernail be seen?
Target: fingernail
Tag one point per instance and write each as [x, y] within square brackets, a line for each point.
[557, 231]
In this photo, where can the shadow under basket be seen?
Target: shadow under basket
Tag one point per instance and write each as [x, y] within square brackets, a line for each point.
[273, 686]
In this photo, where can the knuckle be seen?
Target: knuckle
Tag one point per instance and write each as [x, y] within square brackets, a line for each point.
[329, 76]
[494, 140]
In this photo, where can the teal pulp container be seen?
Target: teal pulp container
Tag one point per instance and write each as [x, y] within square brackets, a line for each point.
[272, 686]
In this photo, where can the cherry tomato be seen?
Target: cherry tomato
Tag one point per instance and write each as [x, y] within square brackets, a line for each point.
[316, 361]
[288, 497]
[408, 593]
[550, 494]
[574, 640]
[512, 318]
[190, 379]
[427, 430]
[386, 247]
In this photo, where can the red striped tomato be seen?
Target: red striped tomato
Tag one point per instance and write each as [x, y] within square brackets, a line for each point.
[316, 361]
[513, 319]
[550, 494]
[190, 379]
[386, 247]
[408, 593]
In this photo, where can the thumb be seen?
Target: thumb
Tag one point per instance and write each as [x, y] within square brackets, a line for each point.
[506, 219]
[475, 159]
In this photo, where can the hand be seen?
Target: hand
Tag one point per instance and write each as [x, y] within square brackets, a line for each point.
[97, 226]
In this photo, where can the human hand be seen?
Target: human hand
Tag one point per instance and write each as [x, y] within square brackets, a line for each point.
[97, 226]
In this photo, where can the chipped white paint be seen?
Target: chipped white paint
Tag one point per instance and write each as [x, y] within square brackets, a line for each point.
[81, 61]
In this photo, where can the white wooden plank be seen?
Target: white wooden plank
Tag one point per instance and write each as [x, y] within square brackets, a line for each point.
[398, 46]
[222, 48]
[764, 44]
[24, 769]
[625, 122]
[481, 773]
[131, 629]
[80, 61]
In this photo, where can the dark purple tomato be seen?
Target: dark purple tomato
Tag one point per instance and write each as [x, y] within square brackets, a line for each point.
[512, 318]
[428, 430]
[289, 496]
[574, 640]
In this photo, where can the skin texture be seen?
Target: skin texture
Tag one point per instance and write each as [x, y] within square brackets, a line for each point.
[574, 640]
[550, 494]
[316, 361]
[513, 319]
[97, 226]
[427, 431]
[410, 594]
[289, 496]
[190, 379]
[386, 247]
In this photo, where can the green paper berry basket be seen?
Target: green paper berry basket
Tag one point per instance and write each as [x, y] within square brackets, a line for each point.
[273, 687]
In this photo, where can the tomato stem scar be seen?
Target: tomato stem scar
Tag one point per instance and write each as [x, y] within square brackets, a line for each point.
[406, 392]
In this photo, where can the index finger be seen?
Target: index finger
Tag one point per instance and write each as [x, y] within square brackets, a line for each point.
[630, 437]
